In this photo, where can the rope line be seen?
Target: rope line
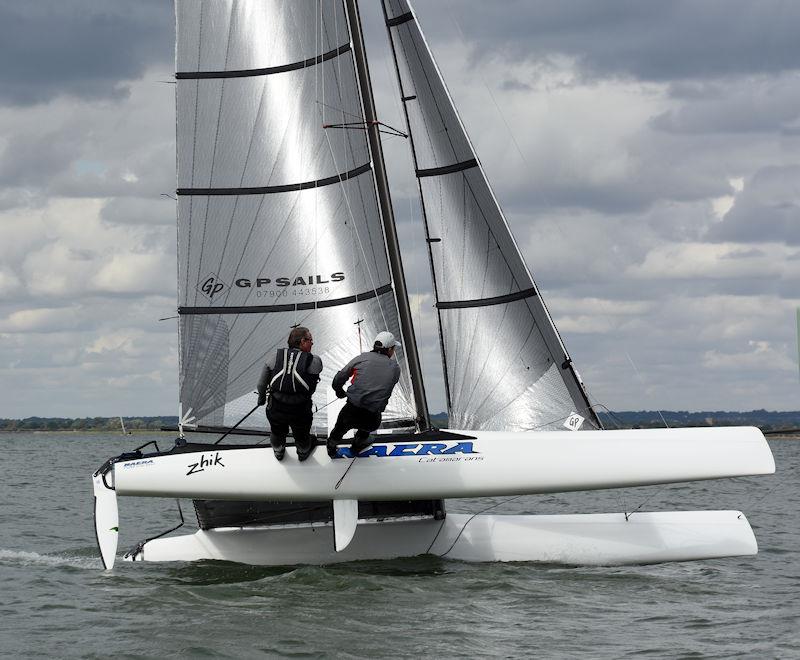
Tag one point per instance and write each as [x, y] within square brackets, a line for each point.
[471, 518]
[339, 483]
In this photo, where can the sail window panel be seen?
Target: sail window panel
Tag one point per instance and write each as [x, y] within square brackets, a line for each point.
[501, 374]
[223, 356]
[475, 258]
[229, 35]
[304, 246]
[268, 130]
[439, 140]
[205, 347]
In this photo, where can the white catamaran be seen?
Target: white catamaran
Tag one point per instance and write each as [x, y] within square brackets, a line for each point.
[285, 219]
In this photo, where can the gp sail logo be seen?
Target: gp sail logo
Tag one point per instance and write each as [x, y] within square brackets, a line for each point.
[211, 286]
[298, 280]
[413, 449]
[208, 461]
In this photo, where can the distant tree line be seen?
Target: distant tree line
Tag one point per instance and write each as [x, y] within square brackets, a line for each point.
[86, 423]
[647, 419]
[641, 419]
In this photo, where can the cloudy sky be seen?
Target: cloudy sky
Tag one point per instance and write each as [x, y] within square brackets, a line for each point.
[647, 155]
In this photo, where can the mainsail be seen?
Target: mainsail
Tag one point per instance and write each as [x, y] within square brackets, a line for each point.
[505, 365]
[278, 222]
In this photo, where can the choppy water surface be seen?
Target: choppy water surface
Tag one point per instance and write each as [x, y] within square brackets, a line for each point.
[56, 601]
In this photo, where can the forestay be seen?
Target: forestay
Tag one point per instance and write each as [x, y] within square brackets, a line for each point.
[505, 365]
[278, 222]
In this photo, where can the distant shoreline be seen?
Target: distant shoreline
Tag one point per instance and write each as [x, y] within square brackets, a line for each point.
[778, 425]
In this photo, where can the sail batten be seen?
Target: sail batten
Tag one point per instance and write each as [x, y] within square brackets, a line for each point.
[487, 302]
[287, 187]
[505, 365]
[265, 71]
[448, 169]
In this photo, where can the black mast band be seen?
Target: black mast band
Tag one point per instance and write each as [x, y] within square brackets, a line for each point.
[288, 187]
[247, 73]
[486, 302]
[266, 309]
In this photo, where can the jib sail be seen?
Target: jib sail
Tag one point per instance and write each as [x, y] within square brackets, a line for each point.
[505, 365]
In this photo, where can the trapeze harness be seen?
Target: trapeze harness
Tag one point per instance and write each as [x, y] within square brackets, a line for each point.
[292, 384]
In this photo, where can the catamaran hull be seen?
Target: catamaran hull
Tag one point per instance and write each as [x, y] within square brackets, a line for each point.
[588, 539]
[473, 465]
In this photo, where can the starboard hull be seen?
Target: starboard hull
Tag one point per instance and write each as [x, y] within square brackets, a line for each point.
[472, 465]
[588, 539]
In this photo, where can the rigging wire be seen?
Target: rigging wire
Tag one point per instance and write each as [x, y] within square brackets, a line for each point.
[469, 520]
[644, 384]
[355, 231]
[528, 165]
[664, 421]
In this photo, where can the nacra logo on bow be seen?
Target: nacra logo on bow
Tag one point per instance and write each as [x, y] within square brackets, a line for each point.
[139, 463]
[413, 449]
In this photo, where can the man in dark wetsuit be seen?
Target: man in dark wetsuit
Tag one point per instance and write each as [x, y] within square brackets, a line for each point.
[291, 379]
[374, 375]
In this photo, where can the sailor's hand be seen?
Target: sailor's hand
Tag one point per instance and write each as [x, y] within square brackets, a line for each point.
[262, 400]
[340, 394]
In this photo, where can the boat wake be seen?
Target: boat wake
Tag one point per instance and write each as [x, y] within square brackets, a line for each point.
[25, 558]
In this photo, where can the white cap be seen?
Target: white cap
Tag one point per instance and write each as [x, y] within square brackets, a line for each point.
[386, 340]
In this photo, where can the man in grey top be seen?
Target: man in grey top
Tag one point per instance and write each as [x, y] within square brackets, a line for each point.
[374, 375]
[290, 379]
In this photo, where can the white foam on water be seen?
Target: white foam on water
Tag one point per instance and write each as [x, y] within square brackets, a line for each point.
[25, 558]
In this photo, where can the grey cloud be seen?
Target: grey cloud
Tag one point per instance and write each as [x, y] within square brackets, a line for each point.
[76, 149]
[657, 170]
[742, 106]
[76, 47]
[768, 209]
[31, 157]
[11, 198]
[744, 253]
[622, 289]
[654, 41]
[138, 211]
[668, 344]
[514, 85]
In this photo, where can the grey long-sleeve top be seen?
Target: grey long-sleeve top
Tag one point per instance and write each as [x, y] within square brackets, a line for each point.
[374, 377]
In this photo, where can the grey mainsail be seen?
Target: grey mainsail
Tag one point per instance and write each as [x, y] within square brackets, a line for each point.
[278, 223]
[505, 365]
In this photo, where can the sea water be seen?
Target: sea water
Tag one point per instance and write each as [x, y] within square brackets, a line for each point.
[56, 601]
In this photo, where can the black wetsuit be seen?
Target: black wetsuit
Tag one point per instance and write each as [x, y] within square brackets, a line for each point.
[292, 378]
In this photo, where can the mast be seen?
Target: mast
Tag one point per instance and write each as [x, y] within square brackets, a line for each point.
[387, 215]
